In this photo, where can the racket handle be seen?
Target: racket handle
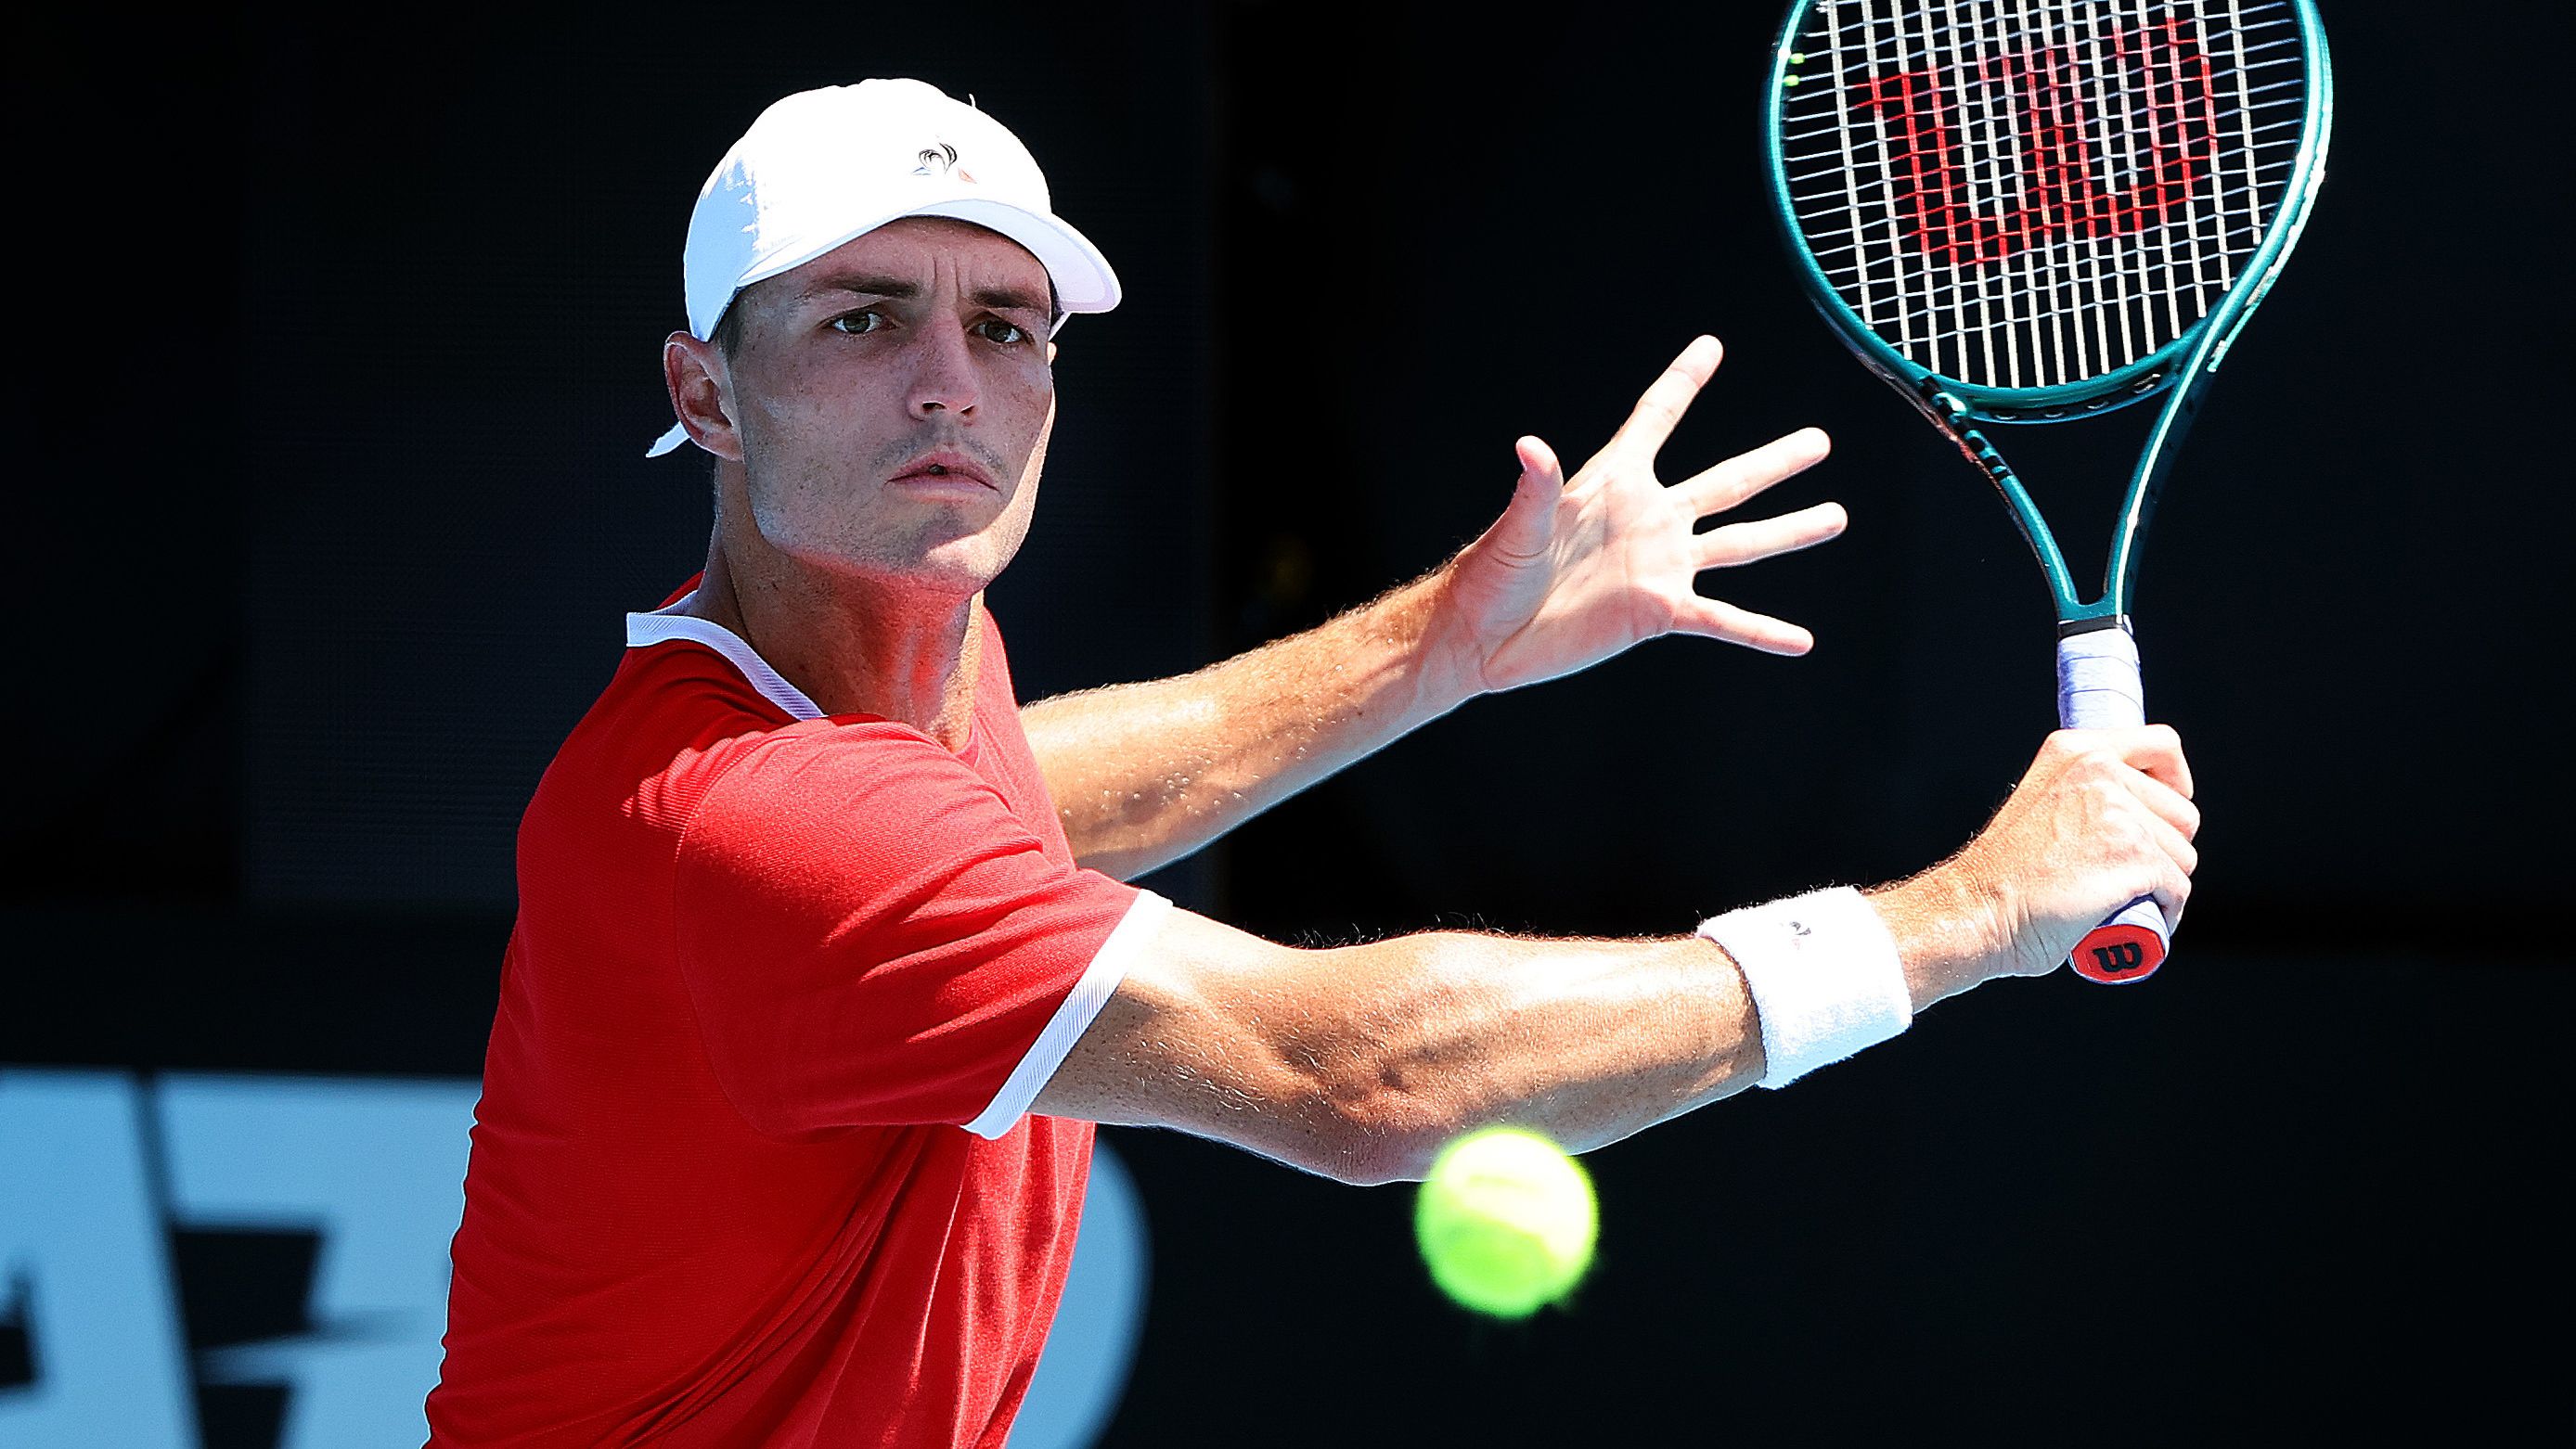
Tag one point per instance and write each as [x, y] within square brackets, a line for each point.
[2098, 688]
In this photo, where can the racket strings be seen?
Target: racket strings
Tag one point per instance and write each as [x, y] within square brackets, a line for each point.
[2031, 193]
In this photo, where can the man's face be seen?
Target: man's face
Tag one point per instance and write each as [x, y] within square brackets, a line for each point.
[892, 400]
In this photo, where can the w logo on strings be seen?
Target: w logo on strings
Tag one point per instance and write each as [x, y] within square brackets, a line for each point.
[2115, 132]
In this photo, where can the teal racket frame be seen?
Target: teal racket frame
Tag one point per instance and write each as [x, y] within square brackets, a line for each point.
[2175, 371]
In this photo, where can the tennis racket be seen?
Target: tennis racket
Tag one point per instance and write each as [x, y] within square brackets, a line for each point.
[2034, 211]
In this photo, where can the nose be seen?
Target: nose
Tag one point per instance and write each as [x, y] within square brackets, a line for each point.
[943, 378]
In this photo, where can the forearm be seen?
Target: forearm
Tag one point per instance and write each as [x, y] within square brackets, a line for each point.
[1360, 1062]
[1143, 774]
[1589, 1041]
[1584, 1041]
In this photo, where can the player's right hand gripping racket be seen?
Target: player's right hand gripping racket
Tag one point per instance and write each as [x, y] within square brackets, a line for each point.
[2029, 211]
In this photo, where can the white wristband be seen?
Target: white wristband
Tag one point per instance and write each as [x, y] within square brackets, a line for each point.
[1824, 977]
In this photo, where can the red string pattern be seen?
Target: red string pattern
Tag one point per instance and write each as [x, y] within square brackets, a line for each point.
[2160, 72]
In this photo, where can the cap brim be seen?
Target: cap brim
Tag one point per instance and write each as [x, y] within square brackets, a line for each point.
[1083, 279]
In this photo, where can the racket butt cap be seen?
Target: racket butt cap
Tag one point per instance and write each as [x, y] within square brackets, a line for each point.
[2119, 952]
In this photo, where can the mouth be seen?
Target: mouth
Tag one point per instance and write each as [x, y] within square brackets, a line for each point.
[946, 466]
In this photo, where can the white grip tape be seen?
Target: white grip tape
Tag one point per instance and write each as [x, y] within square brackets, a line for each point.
[1824, 976]
[2098, 688]
[2097, 681]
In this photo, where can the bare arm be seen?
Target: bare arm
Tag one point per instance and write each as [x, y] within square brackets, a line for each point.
[1358, 1062]
[1143, 774]
[1573, 572]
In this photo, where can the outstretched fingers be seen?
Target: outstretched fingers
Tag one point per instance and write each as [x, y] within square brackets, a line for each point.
[1667, 398]
[1718, 619]
[1740, 477]
[1757, 539]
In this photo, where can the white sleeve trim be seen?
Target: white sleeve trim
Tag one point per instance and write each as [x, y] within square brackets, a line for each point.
[1099, 981]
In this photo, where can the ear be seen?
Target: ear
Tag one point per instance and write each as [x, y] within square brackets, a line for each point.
[1050, 354]
[694, 373]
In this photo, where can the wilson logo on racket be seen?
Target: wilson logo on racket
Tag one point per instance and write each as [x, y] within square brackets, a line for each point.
[2119, 956]
[2074, 178]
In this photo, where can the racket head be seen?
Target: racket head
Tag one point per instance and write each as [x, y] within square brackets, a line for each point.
[2036, 210]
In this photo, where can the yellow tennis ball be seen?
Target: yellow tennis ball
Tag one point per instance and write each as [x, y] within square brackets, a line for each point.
[1506, 1221]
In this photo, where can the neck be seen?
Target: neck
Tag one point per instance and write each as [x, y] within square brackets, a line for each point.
[853, 646]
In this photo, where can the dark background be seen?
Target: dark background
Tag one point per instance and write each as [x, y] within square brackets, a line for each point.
[336, 363]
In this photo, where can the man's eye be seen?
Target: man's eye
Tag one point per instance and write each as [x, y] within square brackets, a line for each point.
[855, 323]
[997, 330]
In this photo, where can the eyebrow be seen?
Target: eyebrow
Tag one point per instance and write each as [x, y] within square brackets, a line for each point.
[898, 289]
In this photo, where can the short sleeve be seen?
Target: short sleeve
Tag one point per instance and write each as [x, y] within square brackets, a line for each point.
[870, 936]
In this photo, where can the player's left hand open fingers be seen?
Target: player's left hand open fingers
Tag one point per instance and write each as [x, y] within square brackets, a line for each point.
[1727, 484]
[1761, 538]
[1667, 398]
[1717, 619]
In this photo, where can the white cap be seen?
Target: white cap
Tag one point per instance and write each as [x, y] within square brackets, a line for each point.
[823, 166]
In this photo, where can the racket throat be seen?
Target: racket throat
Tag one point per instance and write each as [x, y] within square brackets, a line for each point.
[1953, 417]
[1959, 421]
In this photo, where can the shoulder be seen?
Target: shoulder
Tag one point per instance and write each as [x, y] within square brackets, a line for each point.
[674, 722]
[832, 779]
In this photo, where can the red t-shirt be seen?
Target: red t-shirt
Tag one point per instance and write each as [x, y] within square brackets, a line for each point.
[753, 1164]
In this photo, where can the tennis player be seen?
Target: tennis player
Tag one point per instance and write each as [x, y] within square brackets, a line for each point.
[825, 966]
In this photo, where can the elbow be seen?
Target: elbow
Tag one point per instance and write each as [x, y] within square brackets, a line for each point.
[1372, 1128]
[1383, 1091]
[1404, 1138]
[1362, 1081]
[1355, 1153]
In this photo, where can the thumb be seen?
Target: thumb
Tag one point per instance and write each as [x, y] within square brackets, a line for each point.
[1530, 520]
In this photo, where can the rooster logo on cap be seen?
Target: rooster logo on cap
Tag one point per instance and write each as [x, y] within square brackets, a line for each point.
[940, 158]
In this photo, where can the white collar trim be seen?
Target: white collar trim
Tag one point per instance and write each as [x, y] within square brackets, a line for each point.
[667, 623]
